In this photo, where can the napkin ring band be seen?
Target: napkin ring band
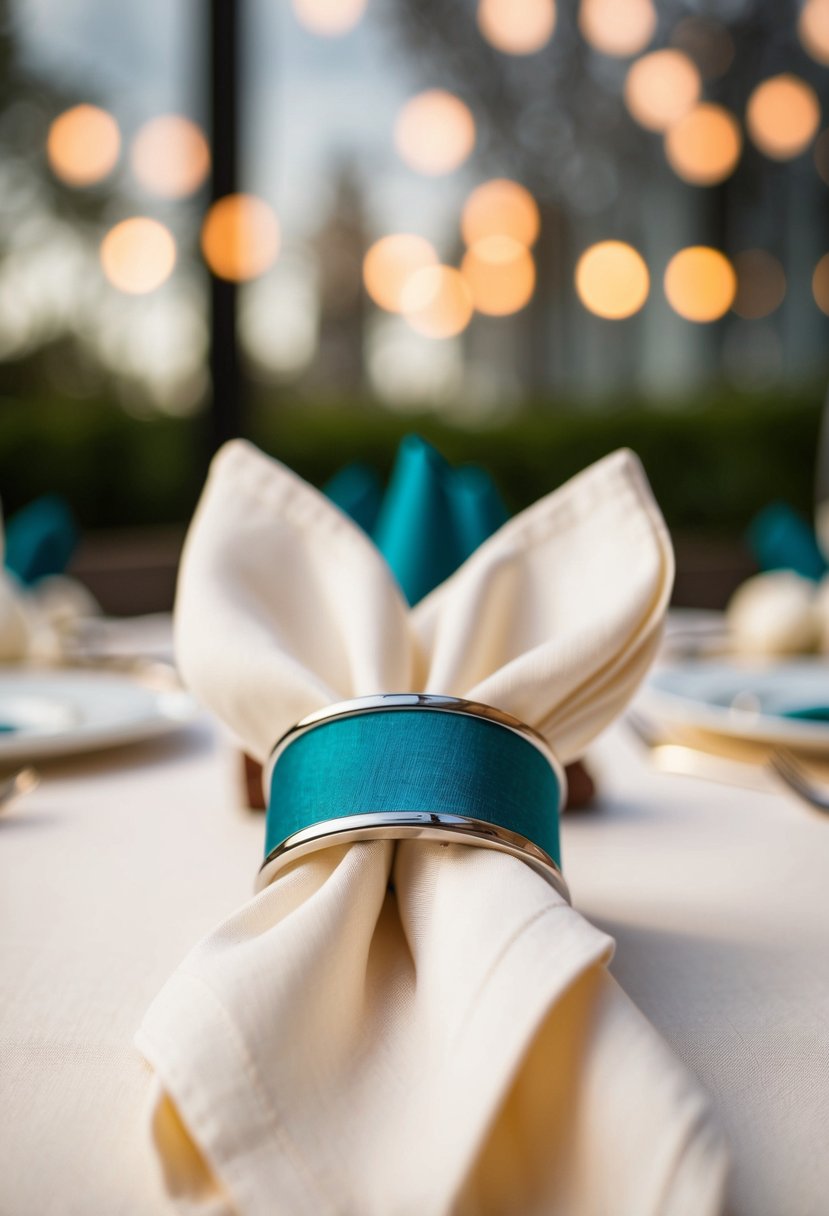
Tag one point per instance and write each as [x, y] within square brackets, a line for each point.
[413, 765]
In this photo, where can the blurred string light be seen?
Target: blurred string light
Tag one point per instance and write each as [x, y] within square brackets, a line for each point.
[390, 263]
[437, 302]
[703, 148]
[813, 28]
[330, 18]
[500, 274]
[782, 116]
[517, 27]
[820, 284]
[708, 43]
[170, 156]
[761, 284]
[240, 237]
[500, 207]
[435, 132]
[617, 27]
[612, 280]
[83, 145]
[138, 255]
[700, 283]
[661, 87]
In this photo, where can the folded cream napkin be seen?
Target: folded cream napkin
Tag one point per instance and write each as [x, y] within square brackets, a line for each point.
[779, 612]
[34, 620]
[453, 1042]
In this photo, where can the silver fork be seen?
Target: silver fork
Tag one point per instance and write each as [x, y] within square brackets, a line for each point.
[794, 776]
[691, 762]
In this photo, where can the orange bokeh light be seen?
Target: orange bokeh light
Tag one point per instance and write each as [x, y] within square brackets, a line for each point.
[330, 18]
[138, 255]
[434, 132]
[703, 148]
[500, 274]
[437, 302]
[517, 27]
[761, 284]
[820, 284]
[390, 263]
[782, 116]
[83, 145]
[617, 27]
[612, 280]
[240, 237]
[500, 207]
[661, 87]
[170, 156]
[700, 283]
[813, 28]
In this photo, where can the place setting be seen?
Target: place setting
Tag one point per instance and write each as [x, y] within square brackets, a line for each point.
[743, 695]
[414, 608]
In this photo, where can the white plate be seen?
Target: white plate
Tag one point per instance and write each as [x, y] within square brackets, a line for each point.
[744, 699]
[57, 713]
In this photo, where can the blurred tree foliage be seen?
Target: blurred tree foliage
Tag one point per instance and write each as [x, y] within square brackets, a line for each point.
[712, 465]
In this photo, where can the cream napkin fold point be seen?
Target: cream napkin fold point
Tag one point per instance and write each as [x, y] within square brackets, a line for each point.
[453, 1043]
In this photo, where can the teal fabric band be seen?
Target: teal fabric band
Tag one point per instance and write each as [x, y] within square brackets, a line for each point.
[414, 760]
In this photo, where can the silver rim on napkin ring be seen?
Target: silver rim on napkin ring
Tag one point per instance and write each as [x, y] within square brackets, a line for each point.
[409, 825]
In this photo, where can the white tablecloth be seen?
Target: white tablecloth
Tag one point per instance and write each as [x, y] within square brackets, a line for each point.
[718, 898]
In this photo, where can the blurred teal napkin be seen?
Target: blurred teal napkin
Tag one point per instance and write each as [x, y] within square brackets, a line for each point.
[781, 539]
[40, 539]
[431, 519]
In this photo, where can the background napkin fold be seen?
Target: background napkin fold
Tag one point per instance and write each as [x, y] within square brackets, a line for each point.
[456, 1044]
[431, 518]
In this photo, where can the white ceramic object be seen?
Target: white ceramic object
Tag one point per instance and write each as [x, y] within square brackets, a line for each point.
[46, 713]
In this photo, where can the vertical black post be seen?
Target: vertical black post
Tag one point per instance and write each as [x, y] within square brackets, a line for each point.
[226, 404]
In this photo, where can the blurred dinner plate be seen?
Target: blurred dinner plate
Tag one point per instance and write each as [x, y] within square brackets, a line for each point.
[785, 703]
[61, 712]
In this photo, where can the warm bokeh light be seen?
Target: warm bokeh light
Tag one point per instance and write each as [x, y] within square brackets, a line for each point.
[500, 207]
[612, 280]
[240, 237]
[329, 17]
[617, 27]
[517, 27]
[761, 284]
[390, 263]
[820, 284]
[813, 28]
[83, 145]
[708, 43]
[138, 255]
[703, 148]
[782, 116]
[434, 132]
[700, 283]
[661, 87]
[437, 302]
[170, 156]
[500, 274]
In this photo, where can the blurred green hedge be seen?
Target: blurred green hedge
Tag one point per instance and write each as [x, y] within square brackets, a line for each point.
[712, 465]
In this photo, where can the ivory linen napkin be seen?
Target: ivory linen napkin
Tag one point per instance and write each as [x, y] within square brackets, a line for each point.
[449, 1042]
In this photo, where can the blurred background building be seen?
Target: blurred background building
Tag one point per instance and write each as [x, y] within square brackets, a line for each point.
[533, 229]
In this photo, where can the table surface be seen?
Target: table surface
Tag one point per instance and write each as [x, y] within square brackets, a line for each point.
[718, 898]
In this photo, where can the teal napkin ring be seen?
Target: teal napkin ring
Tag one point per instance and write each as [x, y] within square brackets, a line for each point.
[414, 765]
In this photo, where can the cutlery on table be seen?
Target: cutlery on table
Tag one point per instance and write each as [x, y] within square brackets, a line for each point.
[684, 759]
